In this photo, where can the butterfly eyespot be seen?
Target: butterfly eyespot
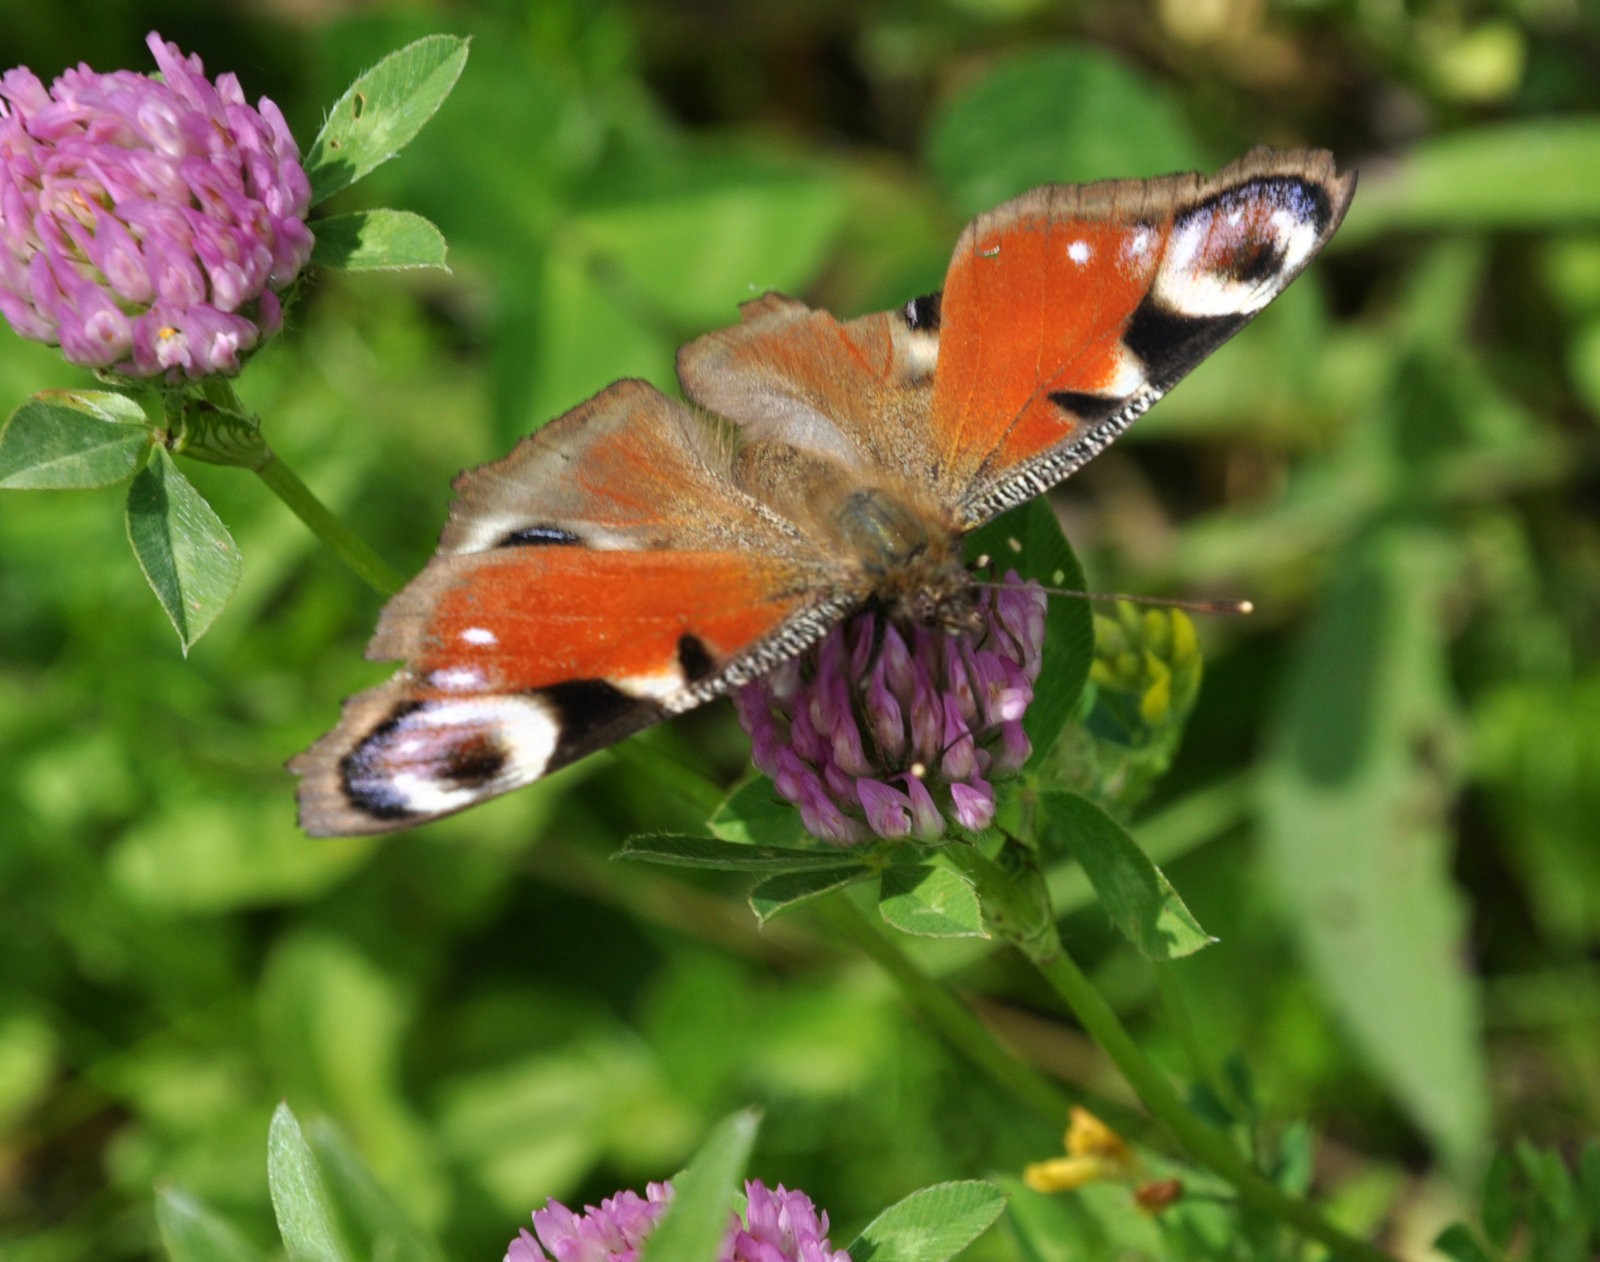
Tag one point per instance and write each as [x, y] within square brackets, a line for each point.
[537, 535]
[473, 762]
[1257, 262]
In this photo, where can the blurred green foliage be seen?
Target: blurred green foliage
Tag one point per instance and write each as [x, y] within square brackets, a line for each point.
[1385, 804]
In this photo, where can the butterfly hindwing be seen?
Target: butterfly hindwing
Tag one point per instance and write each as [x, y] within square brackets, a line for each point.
[605, 574]
[852, 391]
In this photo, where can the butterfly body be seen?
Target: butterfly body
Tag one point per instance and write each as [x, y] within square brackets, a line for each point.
[639, 556]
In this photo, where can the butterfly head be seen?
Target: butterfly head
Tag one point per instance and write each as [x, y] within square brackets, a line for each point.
[912, 560]
[946, 600]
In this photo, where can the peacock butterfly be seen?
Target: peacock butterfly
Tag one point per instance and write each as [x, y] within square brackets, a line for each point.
[639, 556]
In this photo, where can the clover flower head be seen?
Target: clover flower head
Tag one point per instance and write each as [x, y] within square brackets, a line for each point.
[778, 1226]
[147, 226]
[898, 730]
[612, 1231]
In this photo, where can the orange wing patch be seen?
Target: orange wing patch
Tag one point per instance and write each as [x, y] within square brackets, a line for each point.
[647, 623]
[1034, 306]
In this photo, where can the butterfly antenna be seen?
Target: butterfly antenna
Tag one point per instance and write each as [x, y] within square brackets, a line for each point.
[1226, 607]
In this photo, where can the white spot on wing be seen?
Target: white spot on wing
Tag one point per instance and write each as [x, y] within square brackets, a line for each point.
[1078, 252]
[459, 678]
[480, 635]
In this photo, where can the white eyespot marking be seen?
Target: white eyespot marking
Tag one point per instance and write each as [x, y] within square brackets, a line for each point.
[1192, 283]
[1079, 252]
[458, 678]
[480, 635]
[1234, 253]
[448, 754]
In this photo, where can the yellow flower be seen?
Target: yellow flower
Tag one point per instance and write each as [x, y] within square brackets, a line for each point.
[1094, 1152]
[1097, 1153]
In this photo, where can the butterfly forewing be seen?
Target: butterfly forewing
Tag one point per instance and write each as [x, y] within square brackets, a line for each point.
[1067, 312]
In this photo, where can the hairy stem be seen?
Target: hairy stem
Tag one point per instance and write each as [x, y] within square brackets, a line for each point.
[1210, 1147]
[953, 1019]
[348, 546]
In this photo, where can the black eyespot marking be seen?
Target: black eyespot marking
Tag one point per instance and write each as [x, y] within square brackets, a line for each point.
[1089, 408]
[474, 762]
[1258, 262]
[537, 535]
[365, 785]
[693, 659]
[1306, 201]
[922, 314]
[1170, 343]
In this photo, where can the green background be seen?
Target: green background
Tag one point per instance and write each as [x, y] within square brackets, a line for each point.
[1385, 806]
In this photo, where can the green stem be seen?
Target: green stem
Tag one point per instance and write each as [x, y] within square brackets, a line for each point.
[230, 435]
[348, 546]
[952, 1018]
[1208, 1146]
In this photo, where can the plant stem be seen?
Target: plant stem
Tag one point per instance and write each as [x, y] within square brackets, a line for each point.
[230, 435]
[348, 546]
[953, 1018]
[1210, 1147]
